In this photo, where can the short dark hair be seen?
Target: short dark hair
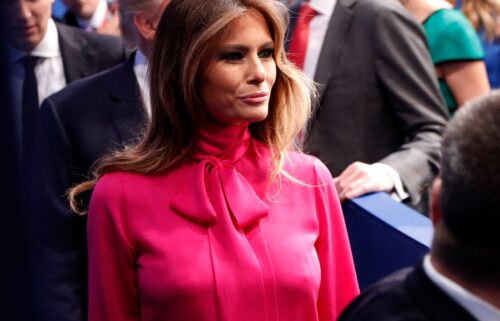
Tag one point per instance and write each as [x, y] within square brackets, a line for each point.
[470, 173]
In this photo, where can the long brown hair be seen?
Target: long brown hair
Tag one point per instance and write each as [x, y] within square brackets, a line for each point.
[483, 14]
[184, 33]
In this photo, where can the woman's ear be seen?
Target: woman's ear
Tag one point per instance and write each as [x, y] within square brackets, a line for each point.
[436, 214]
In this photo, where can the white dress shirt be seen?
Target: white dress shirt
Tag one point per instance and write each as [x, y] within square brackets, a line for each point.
[49, 69]
[141, 74]
[477, 307]
[317, 32]
[97, 19]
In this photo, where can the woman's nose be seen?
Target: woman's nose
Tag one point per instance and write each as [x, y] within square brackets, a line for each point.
[257, 72]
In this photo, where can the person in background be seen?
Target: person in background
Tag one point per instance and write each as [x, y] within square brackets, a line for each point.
[78, 125]
[455, 50]
[460, 278]
[484, 16]
[45, 56]
[380, 114]
[214, 215]
[93, 15]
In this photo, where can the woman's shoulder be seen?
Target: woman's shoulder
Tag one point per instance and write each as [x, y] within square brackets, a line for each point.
[307, 168]
[114, 184]
[115, 180]
[451, 37]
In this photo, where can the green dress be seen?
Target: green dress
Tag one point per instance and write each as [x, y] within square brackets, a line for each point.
[451, 37]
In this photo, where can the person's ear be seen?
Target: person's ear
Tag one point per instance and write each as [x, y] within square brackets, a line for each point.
[146, 25]
[436, 214]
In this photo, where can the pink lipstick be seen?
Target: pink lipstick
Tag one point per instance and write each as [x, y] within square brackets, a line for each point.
[255, 98]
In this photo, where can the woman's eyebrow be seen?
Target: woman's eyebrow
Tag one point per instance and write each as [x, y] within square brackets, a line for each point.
[239, 47]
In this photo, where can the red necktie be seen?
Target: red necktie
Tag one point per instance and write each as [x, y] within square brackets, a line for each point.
[300, 36]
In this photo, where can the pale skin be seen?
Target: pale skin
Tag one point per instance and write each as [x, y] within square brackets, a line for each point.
[467, 79]
[239, 74]
[361, 178]
[86, 8]
[146, 23]
[26, 21]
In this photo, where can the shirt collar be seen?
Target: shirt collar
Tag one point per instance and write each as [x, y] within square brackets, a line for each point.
[97, 18]
[323, 7]
[476, 306]
[48, 47]
[140, 65]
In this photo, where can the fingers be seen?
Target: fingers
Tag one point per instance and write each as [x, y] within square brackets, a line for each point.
[360, 178]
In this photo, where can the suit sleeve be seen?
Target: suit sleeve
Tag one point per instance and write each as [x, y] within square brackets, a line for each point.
[409, 81]
[59, 248]
[113, 293]
[339, 285]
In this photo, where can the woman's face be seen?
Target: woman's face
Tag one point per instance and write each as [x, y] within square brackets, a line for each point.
[237, 77]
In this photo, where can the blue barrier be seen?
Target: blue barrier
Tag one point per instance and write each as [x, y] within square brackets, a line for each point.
[385, 236]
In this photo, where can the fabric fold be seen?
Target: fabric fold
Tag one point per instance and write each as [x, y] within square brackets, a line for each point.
[217, 152]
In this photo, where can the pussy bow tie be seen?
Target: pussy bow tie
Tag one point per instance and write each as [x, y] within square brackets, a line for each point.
[218, 175]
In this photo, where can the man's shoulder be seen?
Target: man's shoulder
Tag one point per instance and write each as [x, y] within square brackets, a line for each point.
[90, 93]
[386, 300]
[371, 9]
[377, 5]
[91, 86]
[102, 43]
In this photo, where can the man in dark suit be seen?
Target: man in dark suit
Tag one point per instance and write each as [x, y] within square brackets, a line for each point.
[380, 115]
[46, 56]
[460, 279]
[80, 124]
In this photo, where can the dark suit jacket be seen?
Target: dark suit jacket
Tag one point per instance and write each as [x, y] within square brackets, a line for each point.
[69, 19]
[379, 99]
[406, 295]
[78, 125]
[86, 53]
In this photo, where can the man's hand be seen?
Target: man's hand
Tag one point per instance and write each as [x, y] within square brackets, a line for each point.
[361, 178]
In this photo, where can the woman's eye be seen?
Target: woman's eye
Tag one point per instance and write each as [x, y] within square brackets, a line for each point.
[266, 53]
[232, 56]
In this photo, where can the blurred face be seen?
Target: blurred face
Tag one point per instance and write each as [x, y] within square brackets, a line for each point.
[26, 21]
[238, 76]
[83, 8]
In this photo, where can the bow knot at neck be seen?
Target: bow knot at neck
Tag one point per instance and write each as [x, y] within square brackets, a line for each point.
[216, 187]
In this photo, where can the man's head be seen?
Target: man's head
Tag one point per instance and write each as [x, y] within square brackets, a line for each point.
[468, 200]
[82, 8]
[27, 21]
[138, 21]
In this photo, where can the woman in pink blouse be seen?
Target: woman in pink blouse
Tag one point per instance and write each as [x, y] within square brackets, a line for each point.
[215, 214]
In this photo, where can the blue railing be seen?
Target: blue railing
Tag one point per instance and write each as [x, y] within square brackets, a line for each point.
[385, 236]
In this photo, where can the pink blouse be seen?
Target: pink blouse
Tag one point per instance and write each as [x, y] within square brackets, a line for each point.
[213, 240]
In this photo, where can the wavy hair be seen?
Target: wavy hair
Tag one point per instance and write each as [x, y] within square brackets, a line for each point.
[184, 34]
[483, 14]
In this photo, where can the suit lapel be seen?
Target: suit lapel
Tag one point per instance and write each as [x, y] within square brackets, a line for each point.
[130, 117]
[76, 55]
[335, 38]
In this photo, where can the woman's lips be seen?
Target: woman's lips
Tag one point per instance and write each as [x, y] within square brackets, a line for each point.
[254, 98]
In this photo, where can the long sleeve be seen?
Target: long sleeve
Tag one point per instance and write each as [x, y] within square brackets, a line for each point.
[113, 292]
[406, 73]
[59, 257]
[339, 284]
